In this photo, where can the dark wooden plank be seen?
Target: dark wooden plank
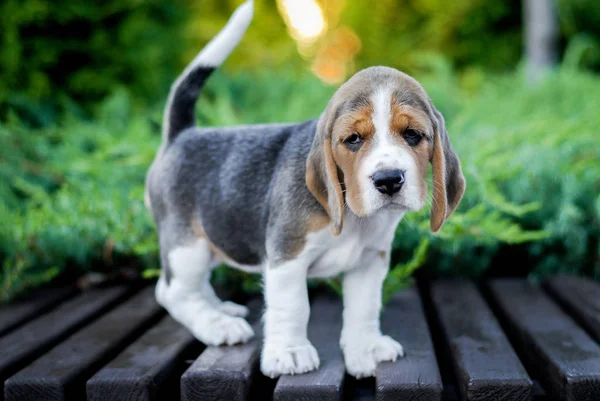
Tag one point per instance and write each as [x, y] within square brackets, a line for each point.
[23, 345]
[581, 298]
[19, 312]
[556, 351]
[325, 383]
[484, 362]
[416, 375]
[61, 373]
[225, 373]
[144, 370]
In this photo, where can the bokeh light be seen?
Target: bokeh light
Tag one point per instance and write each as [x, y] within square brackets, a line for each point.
[304, 18]
[330, 48]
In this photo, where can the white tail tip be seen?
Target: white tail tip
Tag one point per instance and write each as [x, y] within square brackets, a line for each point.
[217, 50]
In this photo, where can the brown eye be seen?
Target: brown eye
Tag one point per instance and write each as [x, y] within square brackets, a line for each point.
[353, 142]
[354, 139]
[412, 137]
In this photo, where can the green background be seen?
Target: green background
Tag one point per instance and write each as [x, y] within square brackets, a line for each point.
[83, 84]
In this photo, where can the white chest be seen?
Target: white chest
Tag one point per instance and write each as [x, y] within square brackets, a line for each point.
[359, 239]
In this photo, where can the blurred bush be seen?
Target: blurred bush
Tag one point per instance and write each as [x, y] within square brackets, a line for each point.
[85, 49]
[54, 56]
[71, 195]
[580, 25]
[74, 190]
[81, 91]
[463, 31]
[530, 155]
[82, 50]
[398, 33]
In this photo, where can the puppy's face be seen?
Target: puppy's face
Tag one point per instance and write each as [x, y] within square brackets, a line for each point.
[375, 140]
[382, 146]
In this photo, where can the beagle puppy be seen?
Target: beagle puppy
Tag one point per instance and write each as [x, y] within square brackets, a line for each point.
[292, 201]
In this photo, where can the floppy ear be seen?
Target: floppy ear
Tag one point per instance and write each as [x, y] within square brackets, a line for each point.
[448, 180]
[322, 173]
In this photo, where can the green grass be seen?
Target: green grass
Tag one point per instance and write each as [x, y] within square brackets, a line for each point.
[72, 192]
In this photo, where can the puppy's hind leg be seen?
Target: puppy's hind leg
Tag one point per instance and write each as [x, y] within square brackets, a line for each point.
[183, 295]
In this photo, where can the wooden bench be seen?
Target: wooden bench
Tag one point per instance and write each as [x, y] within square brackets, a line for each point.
[503, 339]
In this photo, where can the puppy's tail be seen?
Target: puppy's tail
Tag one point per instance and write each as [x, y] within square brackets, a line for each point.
[179, 112]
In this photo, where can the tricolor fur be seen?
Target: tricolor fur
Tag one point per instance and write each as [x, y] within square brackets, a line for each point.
[291, 201]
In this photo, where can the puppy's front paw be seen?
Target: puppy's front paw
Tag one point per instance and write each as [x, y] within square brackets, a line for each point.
[290, 359]
[363, 353]
[233, 309]
[221, 329]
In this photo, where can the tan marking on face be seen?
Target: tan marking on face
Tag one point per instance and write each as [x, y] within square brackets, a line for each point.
[364, 90]
[361, 122]
[382, 254]
[405, 117]
[349, 162]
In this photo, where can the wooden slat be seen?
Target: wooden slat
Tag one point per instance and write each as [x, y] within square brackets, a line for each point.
[225, 373]
[19, 312]
[23, 345]
[416, 375]
[146, 368]
[581, 298]
[557, 352]
[60, 374]
[324, 332]
[485, 364]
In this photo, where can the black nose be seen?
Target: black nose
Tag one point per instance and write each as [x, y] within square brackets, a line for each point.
[389, 181]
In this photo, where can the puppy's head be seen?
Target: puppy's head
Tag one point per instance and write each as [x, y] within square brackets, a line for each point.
[372, 148]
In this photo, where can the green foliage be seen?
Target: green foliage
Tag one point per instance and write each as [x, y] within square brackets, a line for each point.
[401, 31]
[535, 147]
[262, 97]
[406, 30]
[81, 202]
[70, 54]
[85, 49]
[580, 23]
[72, 192]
